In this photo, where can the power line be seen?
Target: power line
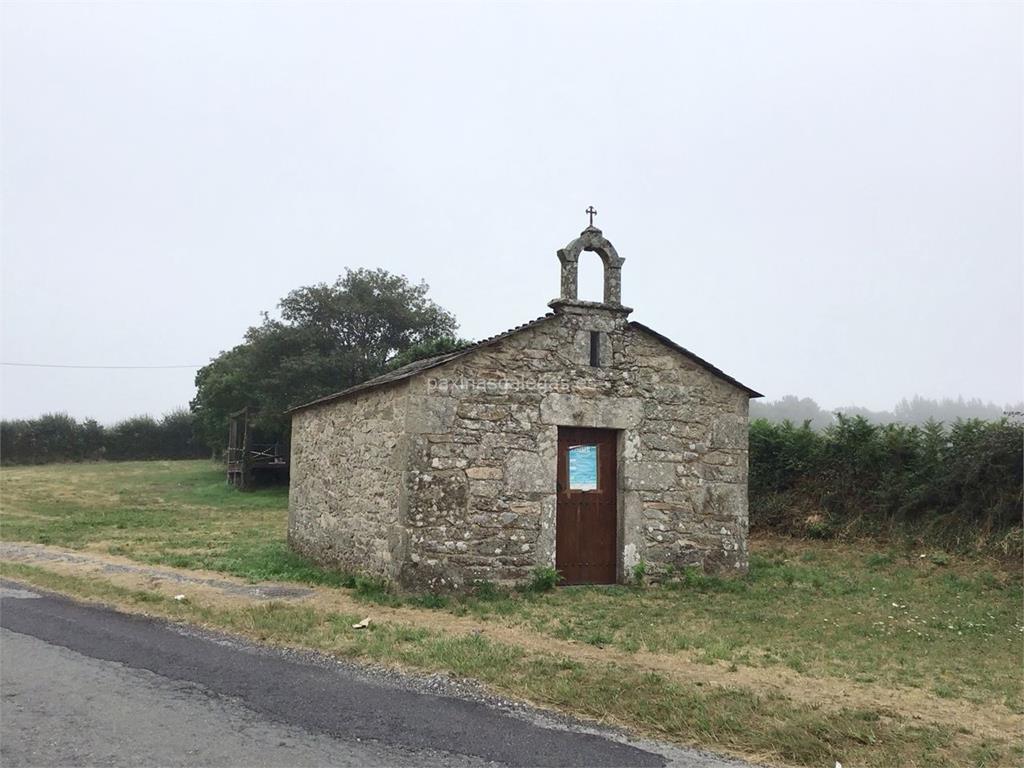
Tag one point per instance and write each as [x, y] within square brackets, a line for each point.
[99, 367]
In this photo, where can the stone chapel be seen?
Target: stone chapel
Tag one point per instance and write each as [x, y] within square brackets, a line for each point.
[579, 440]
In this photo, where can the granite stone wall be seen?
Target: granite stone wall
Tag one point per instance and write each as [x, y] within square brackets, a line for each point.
[346, 482]
[448, 477]
[482, 441]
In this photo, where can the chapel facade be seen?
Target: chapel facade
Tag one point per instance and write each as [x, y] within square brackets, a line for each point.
[579, 440]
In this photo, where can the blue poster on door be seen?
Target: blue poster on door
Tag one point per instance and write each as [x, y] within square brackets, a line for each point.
[583, 468]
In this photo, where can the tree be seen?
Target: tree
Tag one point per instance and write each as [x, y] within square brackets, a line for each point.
[328, 338]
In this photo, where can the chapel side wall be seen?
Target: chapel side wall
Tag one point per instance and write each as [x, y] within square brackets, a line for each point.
[689, 480]
[346, 482]
[480, 482]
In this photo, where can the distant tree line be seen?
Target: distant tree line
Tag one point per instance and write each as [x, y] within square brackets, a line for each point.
[917, 411]
[58, 437]
[961, 486]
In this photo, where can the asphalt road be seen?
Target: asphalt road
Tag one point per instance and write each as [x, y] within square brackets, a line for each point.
[84, 685]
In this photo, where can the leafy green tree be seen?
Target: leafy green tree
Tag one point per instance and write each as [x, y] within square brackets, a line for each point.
[328, 337]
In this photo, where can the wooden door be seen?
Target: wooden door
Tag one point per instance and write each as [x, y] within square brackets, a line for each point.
[585, 534]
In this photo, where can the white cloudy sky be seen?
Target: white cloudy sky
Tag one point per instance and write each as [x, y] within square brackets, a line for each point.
[822, 199]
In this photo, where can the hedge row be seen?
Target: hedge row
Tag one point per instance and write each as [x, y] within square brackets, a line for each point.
[58, 437]
[960, 486]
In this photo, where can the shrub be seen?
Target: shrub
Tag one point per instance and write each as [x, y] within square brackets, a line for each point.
[543, 578]
[957, 486]
[639, 572]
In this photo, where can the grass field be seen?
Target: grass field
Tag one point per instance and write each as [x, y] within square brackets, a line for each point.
[901, 629]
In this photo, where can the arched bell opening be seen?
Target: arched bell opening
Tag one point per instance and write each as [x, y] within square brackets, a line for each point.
[591, 241]
[590, 278]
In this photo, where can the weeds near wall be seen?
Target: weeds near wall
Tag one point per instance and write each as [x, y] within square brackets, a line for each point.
[639, 573]
[543, 579]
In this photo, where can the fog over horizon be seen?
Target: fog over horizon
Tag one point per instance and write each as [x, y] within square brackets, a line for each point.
[822, 200]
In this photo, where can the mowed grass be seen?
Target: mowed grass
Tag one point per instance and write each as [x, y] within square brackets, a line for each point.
[177, 513]
[950, 627]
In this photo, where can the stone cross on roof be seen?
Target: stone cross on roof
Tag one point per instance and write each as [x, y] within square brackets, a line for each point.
[592, 212]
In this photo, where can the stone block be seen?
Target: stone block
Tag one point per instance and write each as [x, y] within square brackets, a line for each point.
[485, 473]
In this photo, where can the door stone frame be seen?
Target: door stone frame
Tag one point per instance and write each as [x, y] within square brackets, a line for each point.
[622, 414]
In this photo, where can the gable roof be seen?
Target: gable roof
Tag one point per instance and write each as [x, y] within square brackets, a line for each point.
[419, 366]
